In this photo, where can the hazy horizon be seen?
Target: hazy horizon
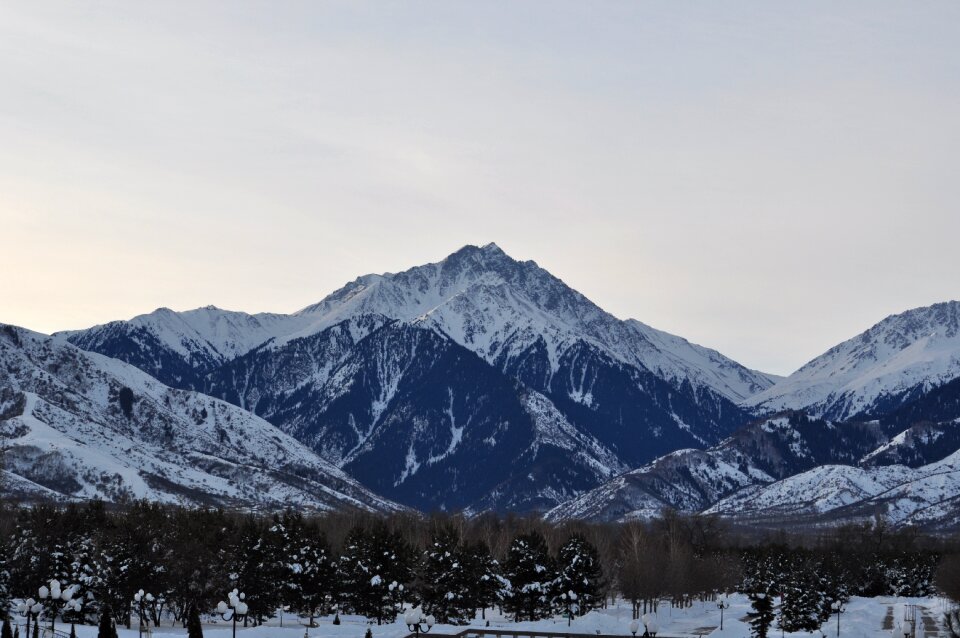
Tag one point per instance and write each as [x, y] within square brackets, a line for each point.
[765, 180]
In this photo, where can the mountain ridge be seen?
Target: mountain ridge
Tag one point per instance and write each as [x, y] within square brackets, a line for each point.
[887, 365]
[584, 394]
[80, 425]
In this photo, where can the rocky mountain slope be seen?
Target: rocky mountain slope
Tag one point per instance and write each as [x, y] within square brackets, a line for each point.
[481, 381]
[478, 381]
[893, 362]
[927, 496]
[506, 310]
[692, 480]
[790, 469]
[79, 425]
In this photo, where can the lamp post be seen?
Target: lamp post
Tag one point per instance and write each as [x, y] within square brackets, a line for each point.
[650, 625]
[143, 600]
[838, 609]
[55, 594]
[29, 609]
[234, 609]
[415, 621]
[634, 626]
[722, 604]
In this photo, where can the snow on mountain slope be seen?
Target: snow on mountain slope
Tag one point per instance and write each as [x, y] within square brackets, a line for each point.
[375, 395]
[816, 491]
[920, 444]
[926, 496]
[480, 297]
[179, 347]
[363, 378]
[686, 480]
[756, 455]
[876, 371]
[79, 425]
[500, 307]
[418, 417]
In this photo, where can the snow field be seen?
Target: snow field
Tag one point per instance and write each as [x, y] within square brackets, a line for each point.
[879, 617]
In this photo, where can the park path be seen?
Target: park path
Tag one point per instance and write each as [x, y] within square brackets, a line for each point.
[929, 625]
[888, 619]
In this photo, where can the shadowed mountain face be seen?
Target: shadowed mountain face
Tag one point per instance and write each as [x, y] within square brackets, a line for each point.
[420, 418]
[478, 381]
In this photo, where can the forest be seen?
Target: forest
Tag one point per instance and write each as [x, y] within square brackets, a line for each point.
[453, 566]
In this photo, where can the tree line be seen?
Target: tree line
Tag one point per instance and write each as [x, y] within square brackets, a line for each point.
[453, 566]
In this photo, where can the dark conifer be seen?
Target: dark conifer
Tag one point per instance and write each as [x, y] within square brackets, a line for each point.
[762, 615]
[530, 571]
[194, 628]
[579, 577]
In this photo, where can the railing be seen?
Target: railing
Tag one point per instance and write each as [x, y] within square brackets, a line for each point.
[46, 632]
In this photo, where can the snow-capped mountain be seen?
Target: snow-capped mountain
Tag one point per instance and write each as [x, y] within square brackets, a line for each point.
[425, 421]
[692, 480]
[178, 348]
[483, 299]
[926, 497]
[893, 362]
[791, 469]
[79, 425]
[924, 431]
[478, 381]
[912, 478]
[504, 309]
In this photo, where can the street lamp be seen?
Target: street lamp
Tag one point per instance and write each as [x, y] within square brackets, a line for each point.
[650, 625]
[415, 621]
[722, 604]
[55, 594]
[29, 609]
[838, 609]
[234, 609]
[143, 601]
[634, 626]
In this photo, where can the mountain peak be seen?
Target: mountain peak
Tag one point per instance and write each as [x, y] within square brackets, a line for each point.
[878, 369]
[488, 253]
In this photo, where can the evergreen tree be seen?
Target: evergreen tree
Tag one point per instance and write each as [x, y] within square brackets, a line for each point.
[530, 571]
[197, 559]
[801, 602]
[106, 628]
[446, 579]
[487, 586]
[579, 577]
[762, 615]
[310, 572]
[375, 569]
[194, 628]
[260, 566]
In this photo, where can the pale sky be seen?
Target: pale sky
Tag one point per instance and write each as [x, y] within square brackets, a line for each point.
[764, 178]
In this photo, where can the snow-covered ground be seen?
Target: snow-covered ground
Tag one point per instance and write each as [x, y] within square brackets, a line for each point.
[863, 618]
